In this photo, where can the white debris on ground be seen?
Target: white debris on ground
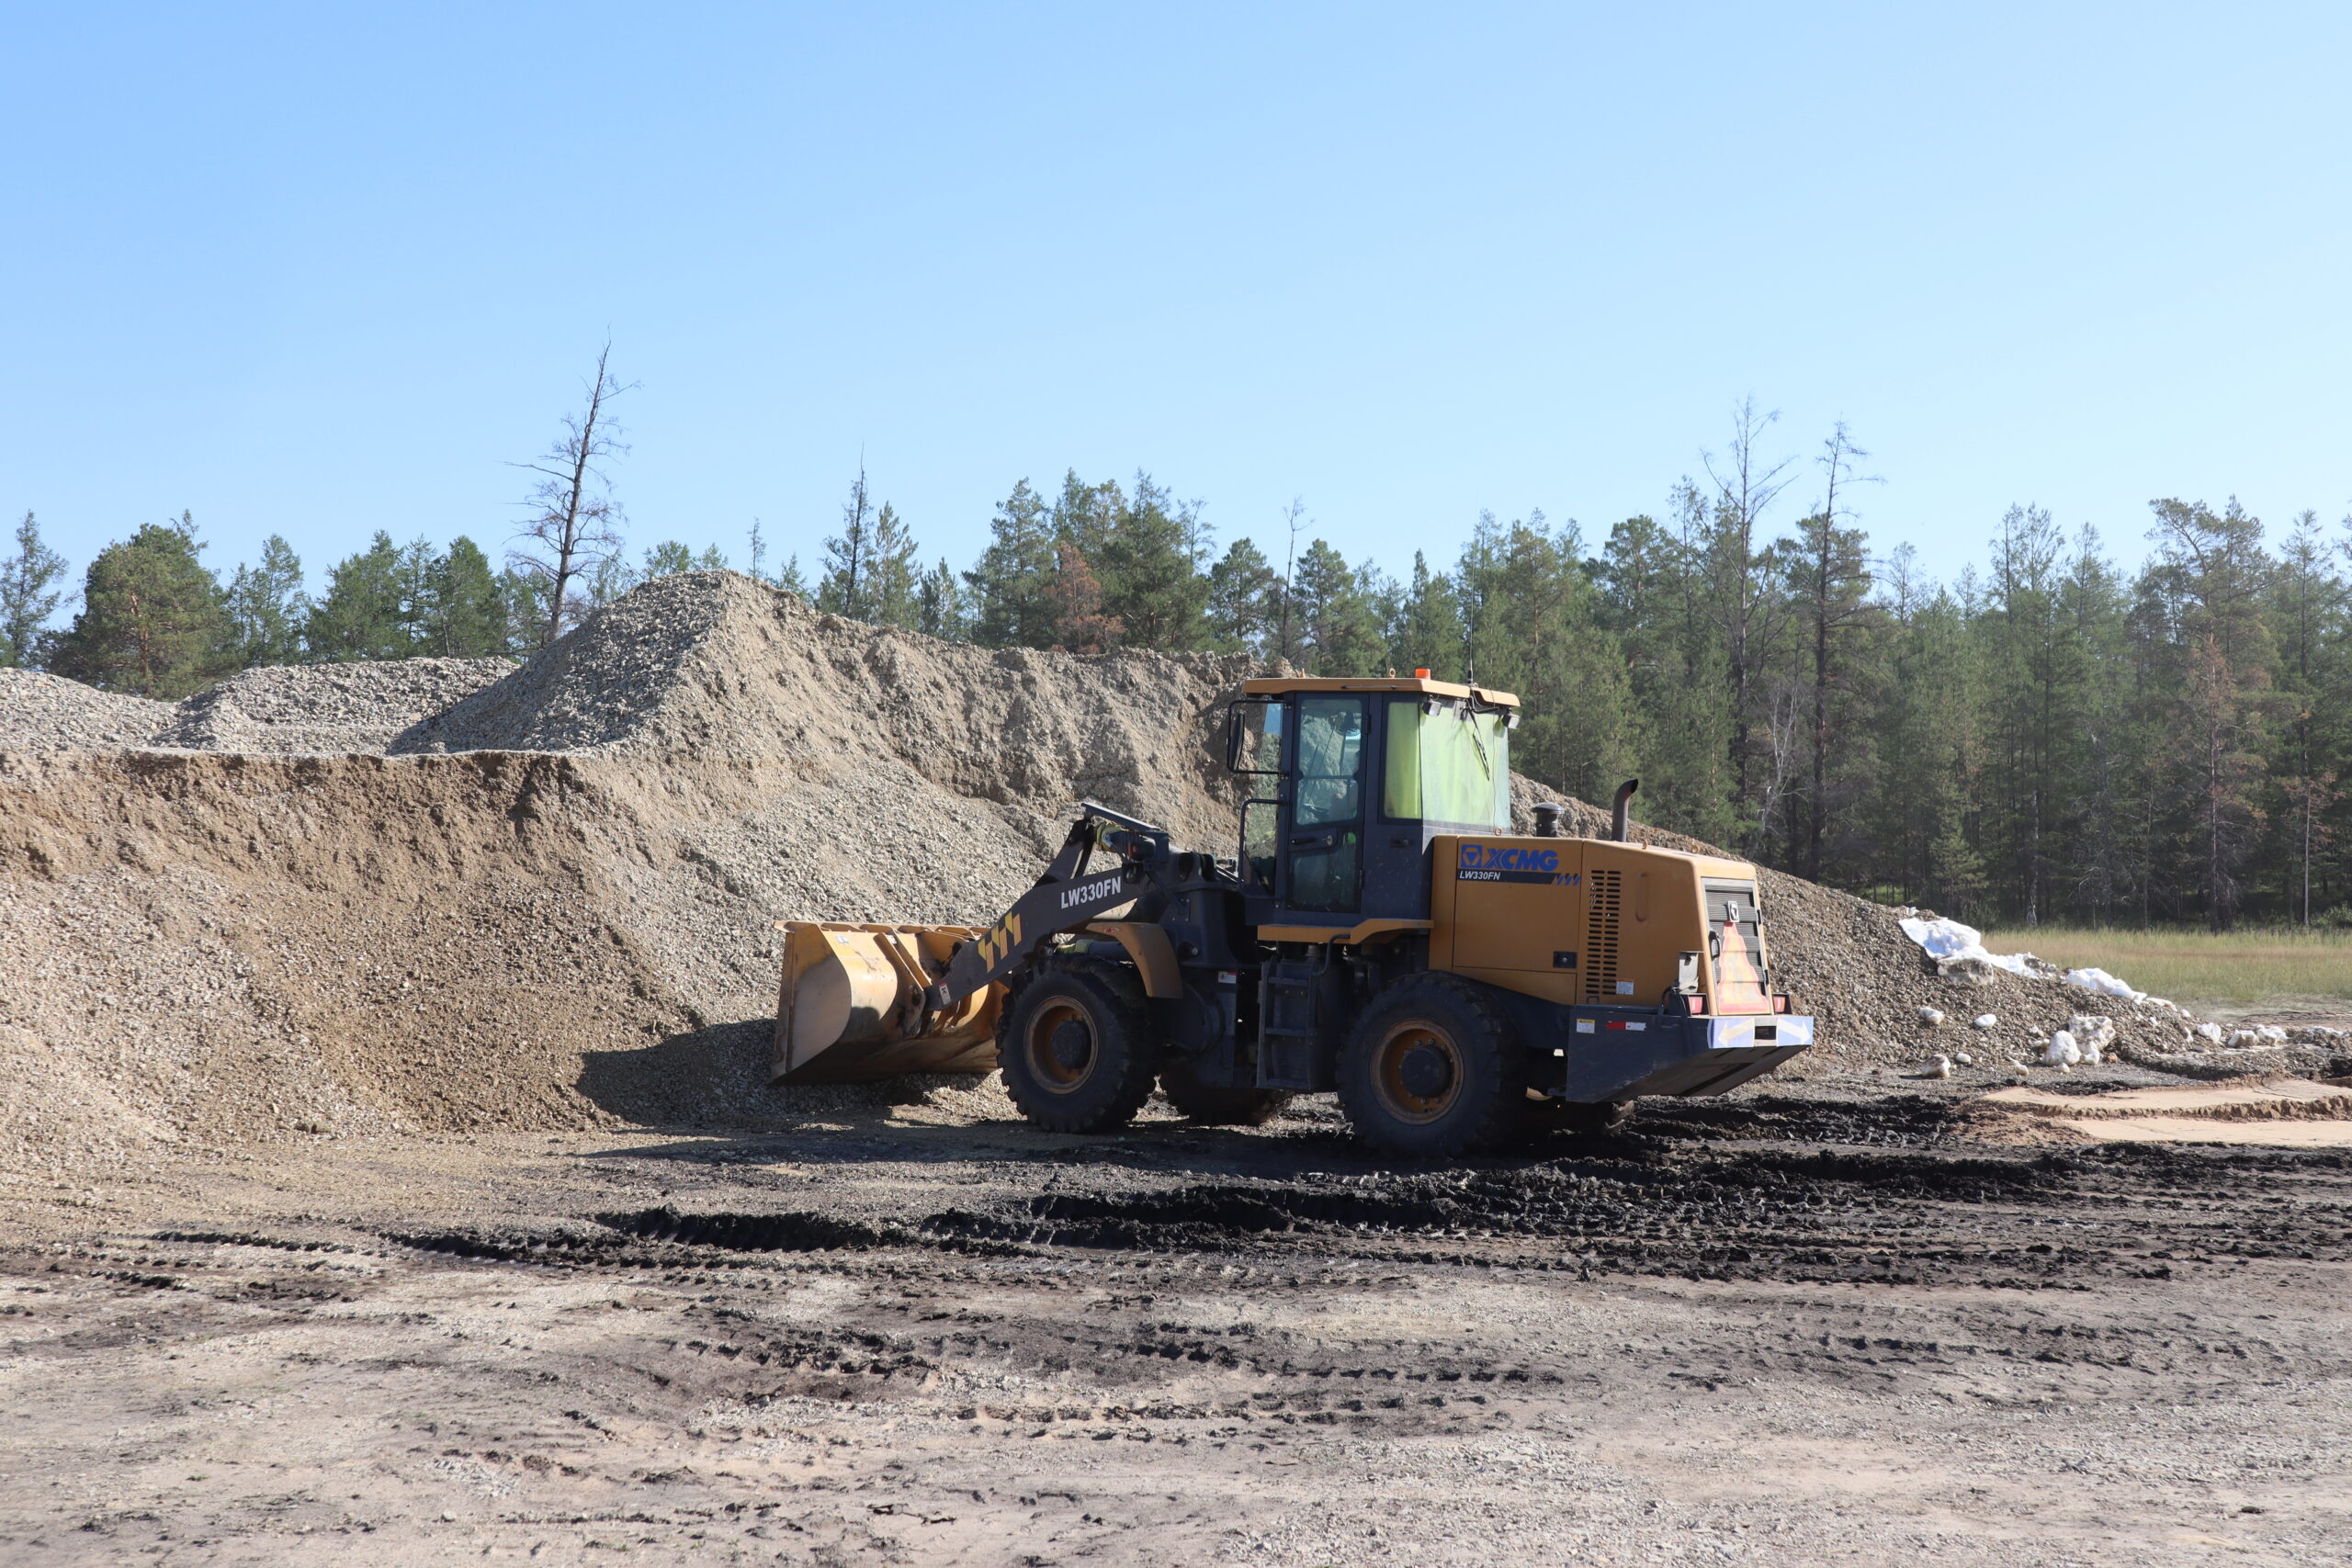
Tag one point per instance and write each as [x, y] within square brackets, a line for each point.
[1952, 941]
[2063, 1052]
[1931, 1016]
[1936, 1067]
[2093, 1033]
[1986, 1021]
[1956, 947]
[2104, 983]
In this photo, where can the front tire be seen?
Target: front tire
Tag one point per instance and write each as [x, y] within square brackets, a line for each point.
[1434, 1068]
[1077, 1048]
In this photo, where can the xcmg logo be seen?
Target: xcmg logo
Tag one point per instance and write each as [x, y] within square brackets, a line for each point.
[1505, 857]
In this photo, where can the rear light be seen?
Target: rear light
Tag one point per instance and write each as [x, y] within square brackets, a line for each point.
[1781, 1001]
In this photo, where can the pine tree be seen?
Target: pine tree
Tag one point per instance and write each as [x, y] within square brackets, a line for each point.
[269, 608]
[2309, 613]
[894, 599]
[467, 617]
[1084, 514]
[1539, 633]
[610, 578]
[847, 587]
[1079, 623]
[153, 621]
[524, 595]
[939, 607]
[1241, 603]
[1926, 724]
[1152, 554]
[365, 611]
[1013, 582]
[2224, 670]
[1337, 615]
[1830, 584]
[1652, 599]
[1425, 633]
[2101, 770]
[26, 600]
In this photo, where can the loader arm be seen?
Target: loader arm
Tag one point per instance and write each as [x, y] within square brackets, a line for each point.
[1066, 897]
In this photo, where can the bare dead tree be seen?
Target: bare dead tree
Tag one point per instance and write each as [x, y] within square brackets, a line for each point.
[1745, 485]
[1291, 515]
[1836, 582]
[576, 522]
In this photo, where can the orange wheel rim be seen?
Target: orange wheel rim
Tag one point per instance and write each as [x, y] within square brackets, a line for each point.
[1061, 1045]
[1418, 1072]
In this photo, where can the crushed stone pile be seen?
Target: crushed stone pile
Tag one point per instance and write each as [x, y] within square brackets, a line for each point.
[325, 707]
[450, 895]
[50, 713]
[294, 707]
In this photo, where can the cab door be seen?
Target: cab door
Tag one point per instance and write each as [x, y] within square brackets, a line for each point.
[1323, 838]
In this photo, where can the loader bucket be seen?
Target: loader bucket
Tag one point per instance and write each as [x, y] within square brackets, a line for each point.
[850, 1006]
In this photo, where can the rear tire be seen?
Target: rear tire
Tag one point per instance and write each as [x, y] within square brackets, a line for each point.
[1077, 1048]
[1434, 1068]
[1214, 1105]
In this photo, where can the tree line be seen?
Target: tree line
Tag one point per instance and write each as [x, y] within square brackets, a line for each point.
[2047, 737]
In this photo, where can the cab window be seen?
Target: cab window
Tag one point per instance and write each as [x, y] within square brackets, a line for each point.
[1331, 761]
[1451, 766]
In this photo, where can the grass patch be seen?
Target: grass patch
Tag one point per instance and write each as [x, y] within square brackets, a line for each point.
[2243, 967]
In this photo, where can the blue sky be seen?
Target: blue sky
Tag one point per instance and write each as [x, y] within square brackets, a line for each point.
[319, 271]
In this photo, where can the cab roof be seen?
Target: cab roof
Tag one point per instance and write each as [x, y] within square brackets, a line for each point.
[1283, 685]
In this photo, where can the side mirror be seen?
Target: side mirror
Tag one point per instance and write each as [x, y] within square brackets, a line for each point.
[1250, 720]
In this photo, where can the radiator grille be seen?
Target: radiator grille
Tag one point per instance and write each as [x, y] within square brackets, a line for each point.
[1604, 895]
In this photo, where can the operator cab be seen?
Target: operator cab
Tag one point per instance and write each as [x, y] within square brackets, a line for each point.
[1353, 779]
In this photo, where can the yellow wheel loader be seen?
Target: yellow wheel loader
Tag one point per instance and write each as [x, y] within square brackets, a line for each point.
[1381, 934]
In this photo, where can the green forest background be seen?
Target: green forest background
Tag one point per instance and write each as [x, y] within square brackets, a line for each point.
[2048, 737]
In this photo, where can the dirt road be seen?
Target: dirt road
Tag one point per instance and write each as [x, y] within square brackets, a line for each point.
[1771, 1330]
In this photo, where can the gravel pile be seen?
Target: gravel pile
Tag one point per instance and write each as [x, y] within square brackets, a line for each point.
[712, 665]
[325, 707]
[50, 713]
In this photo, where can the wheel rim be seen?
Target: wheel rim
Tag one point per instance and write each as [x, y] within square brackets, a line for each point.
[1418, 1072]
[1062, 1045]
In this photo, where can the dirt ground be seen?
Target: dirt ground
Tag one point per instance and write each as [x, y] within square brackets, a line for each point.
[1816, 1323]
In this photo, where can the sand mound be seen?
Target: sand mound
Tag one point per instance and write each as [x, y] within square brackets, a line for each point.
[547, 901]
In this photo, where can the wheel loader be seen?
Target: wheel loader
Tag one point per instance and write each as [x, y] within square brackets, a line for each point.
[1381, 932]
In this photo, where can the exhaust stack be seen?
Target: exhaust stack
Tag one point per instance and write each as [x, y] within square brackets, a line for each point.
[1620, 816]
[1547, 819]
